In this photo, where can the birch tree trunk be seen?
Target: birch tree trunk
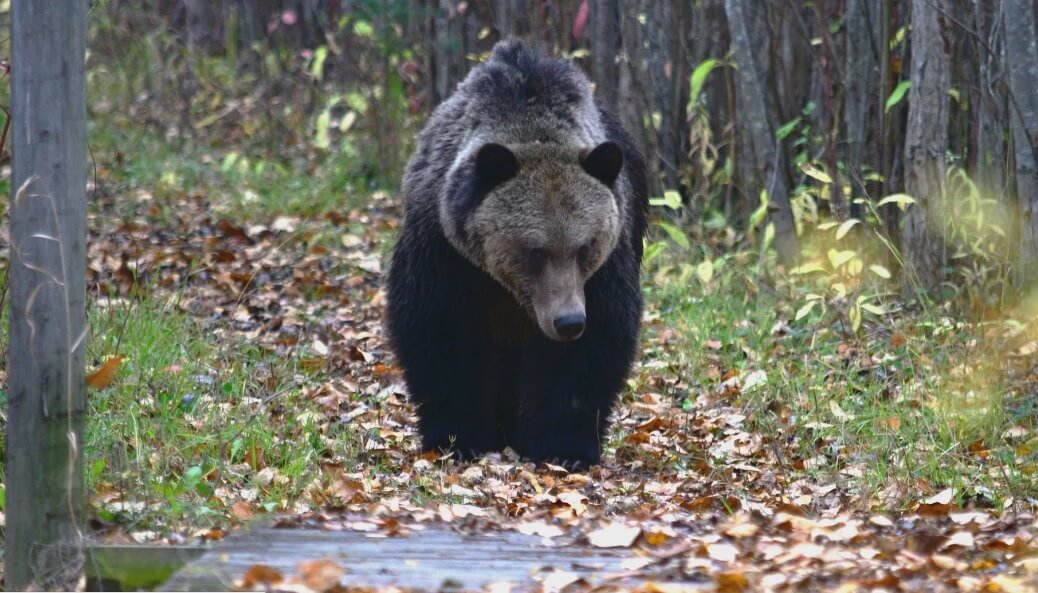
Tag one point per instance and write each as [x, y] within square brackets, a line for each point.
[1022, 56]
[926, 142]
[46, 397]
[768, 154]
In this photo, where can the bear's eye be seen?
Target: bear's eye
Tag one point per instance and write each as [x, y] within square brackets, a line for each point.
[584, 252]
[537, 257]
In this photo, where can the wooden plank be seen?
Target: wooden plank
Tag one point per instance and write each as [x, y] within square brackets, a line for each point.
[431, 559]
[46, 392]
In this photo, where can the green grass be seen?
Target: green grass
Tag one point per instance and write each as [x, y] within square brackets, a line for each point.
[243, 187]
[914, 403]
[191, 422]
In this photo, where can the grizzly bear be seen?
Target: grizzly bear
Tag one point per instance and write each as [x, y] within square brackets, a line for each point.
[513, 296]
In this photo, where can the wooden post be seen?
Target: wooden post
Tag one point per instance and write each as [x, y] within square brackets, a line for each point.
[47, 282]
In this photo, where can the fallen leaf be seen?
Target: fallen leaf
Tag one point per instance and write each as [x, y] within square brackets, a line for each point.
[259, 574]
[959, 538]
[614, 535]
[731, 582]
[943, 497]
[320, 575]
[103, 376]
[539, 529]
[575, 500]
[242, 510]
[722, 552]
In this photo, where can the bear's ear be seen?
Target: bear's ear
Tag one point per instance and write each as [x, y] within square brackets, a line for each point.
[603, 162]
[495, 164]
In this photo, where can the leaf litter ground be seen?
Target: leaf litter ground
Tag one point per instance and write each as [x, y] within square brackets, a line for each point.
[701, 496]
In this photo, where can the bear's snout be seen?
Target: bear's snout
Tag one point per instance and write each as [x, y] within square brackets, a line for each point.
[569, 327]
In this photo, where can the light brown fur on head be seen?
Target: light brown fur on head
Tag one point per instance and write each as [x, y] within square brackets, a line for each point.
[543, 232]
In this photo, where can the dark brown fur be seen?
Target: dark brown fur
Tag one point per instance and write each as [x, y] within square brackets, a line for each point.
[525, 205]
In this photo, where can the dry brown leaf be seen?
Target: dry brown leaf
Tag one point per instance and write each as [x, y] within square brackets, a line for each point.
[320, 575]
[656, 538]
[242, 510]
[105, 374]
[575, 500]
[731, 582]
[259, 574]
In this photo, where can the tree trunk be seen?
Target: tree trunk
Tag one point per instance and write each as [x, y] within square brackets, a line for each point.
[768, 155]
[605, 22]
[635, 92]
[926, 141]
[448, 48]
[991, 99]
[512, 18]
[204, 20]
[1022, 55]
[858, 88]
[662, 26]
[46, 397]
[837, 200]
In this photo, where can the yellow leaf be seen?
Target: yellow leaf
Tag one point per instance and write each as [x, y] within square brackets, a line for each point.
[855, 266]
[705, 271]
[838, 412]
[732, 582]
[846, 228]
[874, 309]
[807, 269]
[805, 310]
[902, 200]
[815, 173]
[838, 258]
[880, 271]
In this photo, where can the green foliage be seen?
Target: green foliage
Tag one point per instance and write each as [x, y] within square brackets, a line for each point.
[175, 423]
[904, 403]
[897, 95]
[290, 108]
[698, 78]
[977, 230]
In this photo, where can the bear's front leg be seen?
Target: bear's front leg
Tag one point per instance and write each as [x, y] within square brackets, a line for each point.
[457, 405]
[567, 389]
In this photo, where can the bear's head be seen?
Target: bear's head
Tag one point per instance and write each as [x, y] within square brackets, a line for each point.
[541, 219]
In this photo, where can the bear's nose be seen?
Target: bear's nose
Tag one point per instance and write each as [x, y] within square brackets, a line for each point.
[569, 327]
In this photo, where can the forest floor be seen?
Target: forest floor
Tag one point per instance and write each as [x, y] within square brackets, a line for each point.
[240, 372]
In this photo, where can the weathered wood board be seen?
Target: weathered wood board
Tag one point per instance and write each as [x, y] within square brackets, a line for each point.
[432, 559]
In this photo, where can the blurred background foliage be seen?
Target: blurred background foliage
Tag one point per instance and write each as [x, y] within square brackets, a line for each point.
[763, 119]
